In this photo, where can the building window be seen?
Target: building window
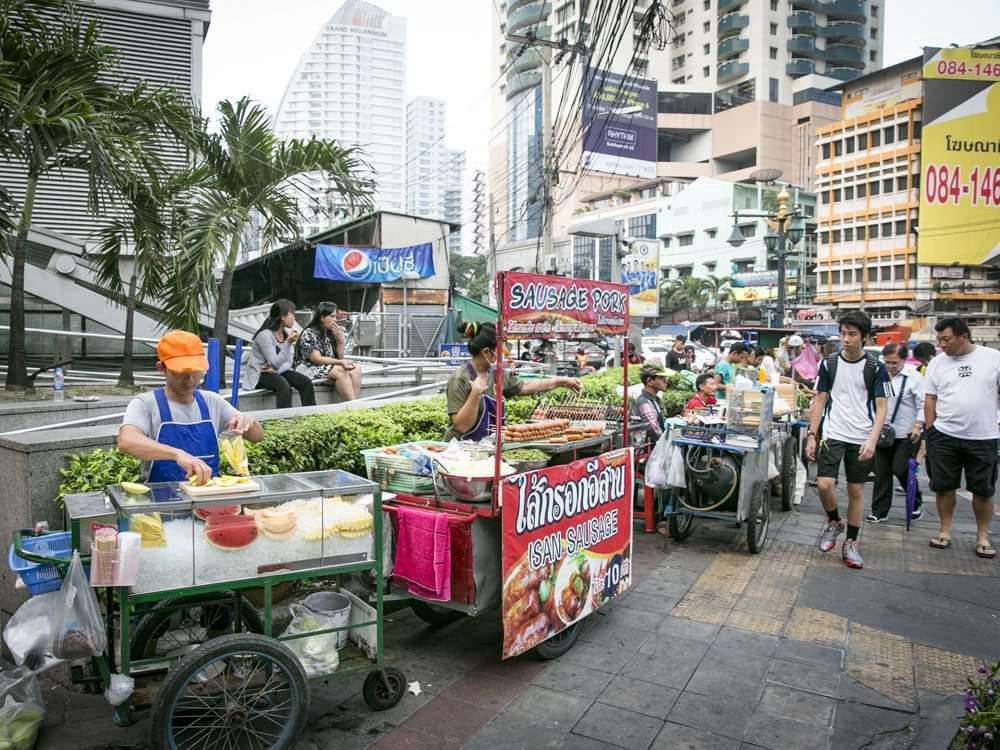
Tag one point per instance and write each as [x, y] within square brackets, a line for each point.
[838, 148]
[889, 135]
[874, 11]
[667, 241]
[900, 227]
[685, 240]
[887, 186]
[583, 257]
[824, 238]
[916, 131]
[876, 138]
[824, 278]
[774, 4]
[707, 4]
[902, 131]
[707, 26]
[873, 33]
[872, 273]
[773, 51]
[772, 89]
[684, 271]
[886, 273]
[849, 234]
[849, 145]
[872, 54]
[743, 266]
[706, 72]
[706, 48]
[862, 141]
[826, 150]
[873, 231]
[774, 29]
[849, 193]
[835, 236]
[710, 267]
[835, 277]
[604, 258]
[873, 188]
[748, 230]
[837, 195]
[711, 235]
[862, 190]
[887, 229]
[861, 233]
[642, 227]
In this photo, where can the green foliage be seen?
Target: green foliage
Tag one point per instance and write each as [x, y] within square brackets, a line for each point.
[470, 275]
[90, 472]
[673, 402]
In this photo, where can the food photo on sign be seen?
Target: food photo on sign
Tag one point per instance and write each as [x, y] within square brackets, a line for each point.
[567, 545]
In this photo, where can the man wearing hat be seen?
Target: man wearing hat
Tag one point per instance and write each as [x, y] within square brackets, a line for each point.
[647, 406]
[174, 430]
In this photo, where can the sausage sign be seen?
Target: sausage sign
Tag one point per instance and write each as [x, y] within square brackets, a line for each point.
[567, 545]
[538, 306]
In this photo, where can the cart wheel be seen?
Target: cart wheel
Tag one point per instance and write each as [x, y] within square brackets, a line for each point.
[384, 688]
[241, 690]
[759, 517]
[175, 627]
[558, 644]
[789, 467]
[433, 614]
[680, 526]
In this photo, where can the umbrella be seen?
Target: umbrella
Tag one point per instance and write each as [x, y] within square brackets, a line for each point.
[912, 469]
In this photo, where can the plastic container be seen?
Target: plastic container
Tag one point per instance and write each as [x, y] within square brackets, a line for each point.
[38, 577]
[58, 384]
[336, 607]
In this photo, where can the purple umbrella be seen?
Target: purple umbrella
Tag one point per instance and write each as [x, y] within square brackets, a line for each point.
[912, 469]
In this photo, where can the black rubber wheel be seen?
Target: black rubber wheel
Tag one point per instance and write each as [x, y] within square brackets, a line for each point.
[759, 517]
[172, 630]
[434, 615]
[680, 526]
[558, 644]
[384, 688]
[789, 468]
[244, 690]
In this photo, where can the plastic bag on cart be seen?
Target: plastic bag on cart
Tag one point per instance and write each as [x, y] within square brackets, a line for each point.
[21, 709]
[28, 634]
[317, 654]
[656, 465]
[772, 467]
[77, 627]
[676, 474]
[120, 689]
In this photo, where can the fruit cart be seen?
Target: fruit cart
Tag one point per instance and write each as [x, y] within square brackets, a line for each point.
[233, 678]
[507, 547]
[726, 467]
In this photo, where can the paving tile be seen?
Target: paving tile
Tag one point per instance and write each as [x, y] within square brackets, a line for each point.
[883, 661]
[852, 691]
[869, 720]
[663, 646]
[942, 671]
[750, 643]
[714, 714]
[778, 733]
[807, 624]
[812, 653]
[797, 705]
[755, 622]
[812, 677]
[850, 741]
[619, 727]
[712, 683]
[449, 720]
[641, 697]
[548, 708]
[730, 660]
[573, 678]
[679, 737]
[650, 602]
[409, 739]
[503, 733]
[522, 668]
[608, 656]
[485, 690]
[610, 628]
[673, 670]
[706, 606]
[640, 619]
[690, 630]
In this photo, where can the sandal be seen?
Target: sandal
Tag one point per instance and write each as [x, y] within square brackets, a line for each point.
[942, 542]
[986, 551]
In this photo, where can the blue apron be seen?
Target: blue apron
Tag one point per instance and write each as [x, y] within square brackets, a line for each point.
[199, 439]
[488, 411]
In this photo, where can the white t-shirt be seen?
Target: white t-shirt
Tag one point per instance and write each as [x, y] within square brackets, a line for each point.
[967, 389]
[850, 412]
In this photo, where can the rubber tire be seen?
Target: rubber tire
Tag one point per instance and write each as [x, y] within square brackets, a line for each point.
[434, 615]
[558, 644]
[377, 696]
[680, 529]
[182, 671]
[789, 469]
[146, 630]
[760, 505]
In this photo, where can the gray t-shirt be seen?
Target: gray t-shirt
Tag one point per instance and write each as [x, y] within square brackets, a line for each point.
[967, 388]
[142, 412]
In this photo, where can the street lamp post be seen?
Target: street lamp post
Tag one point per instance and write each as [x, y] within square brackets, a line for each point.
[786, 228]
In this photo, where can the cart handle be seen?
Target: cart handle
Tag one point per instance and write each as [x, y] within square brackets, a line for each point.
[463, 517]
[33, 557]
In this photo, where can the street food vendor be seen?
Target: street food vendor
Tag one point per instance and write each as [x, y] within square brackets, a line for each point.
[472, 405]
[174, 430]
[704, 398]
[647, 406]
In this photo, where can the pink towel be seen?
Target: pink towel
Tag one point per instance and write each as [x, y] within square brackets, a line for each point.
[423, 553]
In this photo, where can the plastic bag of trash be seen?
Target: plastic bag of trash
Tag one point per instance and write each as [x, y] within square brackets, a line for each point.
[21, 709]
[77, 627]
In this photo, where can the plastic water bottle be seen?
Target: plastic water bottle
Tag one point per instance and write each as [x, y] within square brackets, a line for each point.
[58, 384]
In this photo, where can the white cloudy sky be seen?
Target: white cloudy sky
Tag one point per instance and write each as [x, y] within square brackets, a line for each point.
[253, 46]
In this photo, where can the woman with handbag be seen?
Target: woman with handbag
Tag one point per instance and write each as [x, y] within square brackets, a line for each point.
[901, 435]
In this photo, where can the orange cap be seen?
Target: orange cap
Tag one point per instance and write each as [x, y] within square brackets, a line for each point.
[180, 351]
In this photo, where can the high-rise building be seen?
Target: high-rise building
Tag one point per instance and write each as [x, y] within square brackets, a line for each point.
[434, 172]
[741, 85]
[478, 235]
[350, 86]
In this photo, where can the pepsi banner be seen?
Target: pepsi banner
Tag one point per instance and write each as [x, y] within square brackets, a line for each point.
[373, 265]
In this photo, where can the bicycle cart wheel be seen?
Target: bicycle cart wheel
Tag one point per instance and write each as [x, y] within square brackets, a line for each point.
[680, 526]
[240, 691]
[558, 644]
[384, 688]
[759, 517]
[789, 467]
[175, 627]
[433, 614]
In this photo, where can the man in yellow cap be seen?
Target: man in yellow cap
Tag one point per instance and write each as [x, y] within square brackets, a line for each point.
[174, 430]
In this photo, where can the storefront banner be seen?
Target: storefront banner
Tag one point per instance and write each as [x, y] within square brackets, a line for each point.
[566, 545]
[759, 293]
[960, 157]
[619, 124]
[373, 265]
[641, 272]
[760, 278]
[539, 306]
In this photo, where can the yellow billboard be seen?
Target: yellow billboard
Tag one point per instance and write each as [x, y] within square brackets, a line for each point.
[960, 155]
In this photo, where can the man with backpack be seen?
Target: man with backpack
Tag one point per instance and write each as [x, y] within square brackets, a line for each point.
[851, 394]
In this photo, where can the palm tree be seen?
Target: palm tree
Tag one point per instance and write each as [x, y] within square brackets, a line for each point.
[62, 111]
[247, 169]
[718, 289]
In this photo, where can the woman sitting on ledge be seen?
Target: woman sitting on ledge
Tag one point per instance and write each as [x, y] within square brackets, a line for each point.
[320, 353]
[270, 363]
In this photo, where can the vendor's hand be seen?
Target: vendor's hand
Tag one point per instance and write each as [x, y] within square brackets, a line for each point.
[481, 384]
[572, 384]
[811, 447]
[193, 468]
[916, 433]
[240, 423]
[867, 451]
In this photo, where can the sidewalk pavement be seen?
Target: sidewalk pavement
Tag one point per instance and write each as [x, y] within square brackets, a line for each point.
[712, 648]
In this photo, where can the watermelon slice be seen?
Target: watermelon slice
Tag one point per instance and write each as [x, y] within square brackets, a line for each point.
[218, 511]
[230, 532]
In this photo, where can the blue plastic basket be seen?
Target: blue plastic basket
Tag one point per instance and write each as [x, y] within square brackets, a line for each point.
[38, 577]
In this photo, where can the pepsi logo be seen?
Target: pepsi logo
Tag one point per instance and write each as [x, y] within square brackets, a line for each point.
[355, 264]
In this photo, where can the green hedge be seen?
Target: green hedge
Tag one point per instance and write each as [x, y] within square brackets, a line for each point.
[336, 440]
